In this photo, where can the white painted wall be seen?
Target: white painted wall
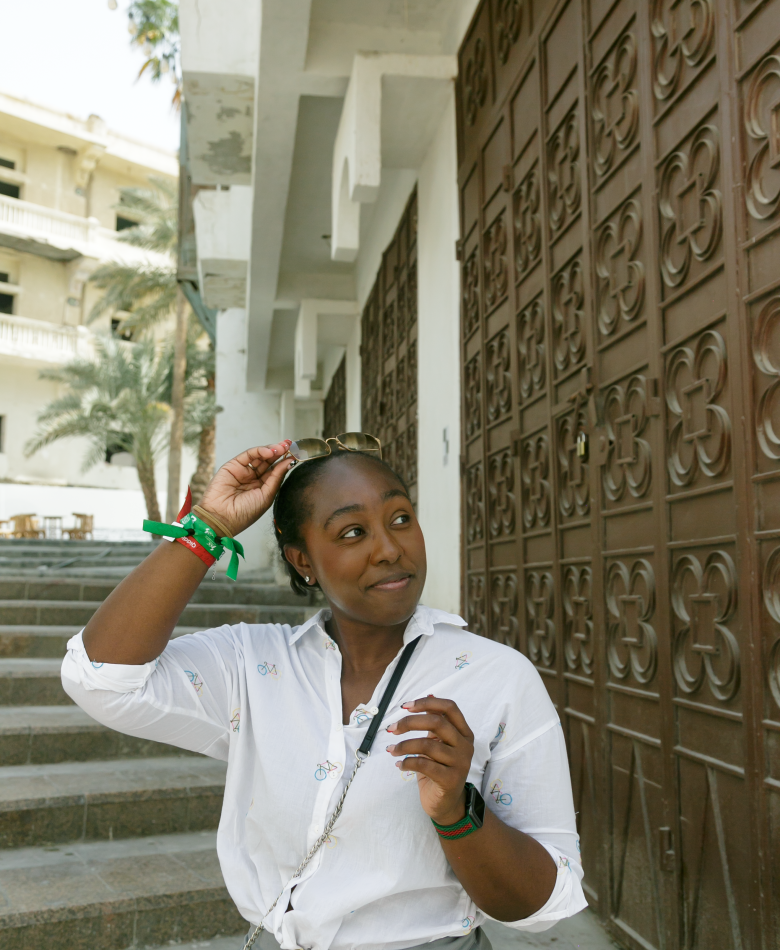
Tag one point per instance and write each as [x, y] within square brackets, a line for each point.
[438, 402]
[119, 513]
[248, 419]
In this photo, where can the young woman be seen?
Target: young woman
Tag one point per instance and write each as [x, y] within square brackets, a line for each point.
[413, 858]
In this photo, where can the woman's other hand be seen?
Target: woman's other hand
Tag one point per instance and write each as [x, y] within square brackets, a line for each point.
[441, 760]
[244, 488]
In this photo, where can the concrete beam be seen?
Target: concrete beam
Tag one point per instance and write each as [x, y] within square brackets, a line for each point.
[223, 228]
[321, 324]
[416, 89]
[283, 43]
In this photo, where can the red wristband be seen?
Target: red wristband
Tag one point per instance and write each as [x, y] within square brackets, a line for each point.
[197, 549]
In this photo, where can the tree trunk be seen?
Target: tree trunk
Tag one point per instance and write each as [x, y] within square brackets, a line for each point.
[206, 460]
[177, 405]
[145, 470]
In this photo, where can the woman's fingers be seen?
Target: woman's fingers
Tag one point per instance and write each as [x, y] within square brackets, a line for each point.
[442, 707]
[433, 723]
[254, 462]
[431, 748]
[435, 771]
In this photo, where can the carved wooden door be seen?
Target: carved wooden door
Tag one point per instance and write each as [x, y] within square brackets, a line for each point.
[389, 351]
[334, 410]
[620, 218]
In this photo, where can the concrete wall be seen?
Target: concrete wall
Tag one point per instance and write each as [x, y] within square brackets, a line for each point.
[22, 395]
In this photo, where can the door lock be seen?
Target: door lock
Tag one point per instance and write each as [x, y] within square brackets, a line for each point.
[582, 447]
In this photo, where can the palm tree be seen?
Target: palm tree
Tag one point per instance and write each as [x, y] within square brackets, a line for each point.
[119, 402]
[142, 296]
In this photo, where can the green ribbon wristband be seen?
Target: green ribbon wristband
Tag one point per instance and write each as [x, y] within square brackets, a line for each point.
[205, 535]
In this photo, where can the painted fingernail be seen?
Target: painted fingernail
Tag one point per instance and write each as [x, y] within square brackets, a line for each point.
[391, 727]
[399, 764]
[391, 748]
[407, 705]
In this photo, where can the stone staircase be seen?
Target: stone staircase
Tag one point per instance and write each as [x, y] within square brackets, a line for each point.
[106, 841]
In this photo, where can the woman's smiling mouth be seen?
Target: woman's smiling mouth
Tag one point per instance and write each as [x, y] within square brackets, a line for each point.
[393, 583]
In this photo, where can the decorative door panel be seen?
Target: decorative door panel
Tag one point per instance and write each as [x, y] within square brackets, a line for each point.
[334, 410]
[389, 351]
[620, 195]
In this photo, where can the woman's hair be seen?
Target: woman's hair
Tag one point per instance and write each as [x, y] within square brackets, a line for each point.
[292, 508]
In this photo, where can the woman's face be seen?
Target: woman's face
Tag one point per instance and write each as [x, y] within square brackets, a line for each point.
[363, 543]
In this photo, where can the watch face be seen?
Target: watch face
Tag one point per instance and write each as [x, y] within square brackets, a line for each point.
[476, 806]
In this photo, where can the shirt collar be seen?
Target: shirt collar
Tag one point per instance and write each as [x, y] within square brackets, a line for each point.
[423, 621]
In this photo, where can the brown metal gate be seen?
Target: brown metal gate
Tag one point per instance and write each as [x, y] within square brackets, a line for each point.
[620, 252]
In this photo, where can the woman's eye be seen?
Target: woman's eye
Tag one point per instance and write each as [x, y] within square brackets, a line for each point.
[352, 533]
[402, 519]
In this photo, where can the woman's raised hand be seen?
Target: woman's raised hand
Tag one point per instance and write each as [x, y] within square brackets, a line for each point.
[245, 487]
[441, 760]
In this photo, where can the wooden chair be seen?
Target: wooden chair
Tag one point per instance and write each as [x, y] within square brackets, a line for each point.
[25, 526]
[5, 532]
[84, 527]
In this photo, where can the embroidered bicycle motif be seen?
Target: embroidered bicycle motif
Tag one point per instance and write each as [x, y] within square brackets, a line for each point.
[408, 776]
[499, 736]
[268, 669]
[331, 841]
[563, 863]
[96, 665]
[363, 714]
[467, 923]
[463, 660]
[327, 768]
[501, 798]
[330, 644]
[197, 682]
[235, 720]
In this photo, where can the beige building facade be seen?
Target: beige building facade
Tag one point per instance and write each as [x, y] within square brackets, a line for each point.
[59, 184]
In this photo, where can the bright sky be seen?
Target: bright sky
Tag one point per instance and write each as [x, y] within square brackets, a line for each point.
[75, 56]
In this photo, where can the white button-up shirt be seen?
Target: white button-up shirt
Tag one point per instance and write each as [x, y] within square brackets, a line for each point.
[266, 698]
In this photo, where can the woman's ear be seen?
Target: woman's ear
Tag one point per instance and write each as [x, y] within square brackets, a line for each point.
[299, 561]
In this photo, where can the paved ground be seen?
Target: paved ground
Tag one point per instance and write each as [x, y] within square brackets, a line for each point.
[582, 932]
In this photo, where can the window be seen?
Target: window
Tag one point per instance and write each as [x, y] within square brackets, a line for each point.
[127, 335]
[122, 224]
[6, 300]
[7, 163]
[11, 191]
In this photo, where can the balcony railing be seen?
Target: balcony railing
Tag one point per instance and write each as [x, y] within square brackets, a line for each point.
[61, 236]
[43, 342]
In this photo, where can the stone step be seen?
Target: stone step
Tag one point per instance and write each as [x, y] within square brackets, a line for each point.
[93, 801]
[65, 544]
[209, 592]
[216, 943]
[39, 735]
[67, 612]
[114, 895]
[32, 682]
[31, 640]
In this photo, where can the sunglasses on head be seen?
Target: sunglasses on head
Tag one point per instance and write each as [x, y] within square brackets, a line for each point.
[303, 450]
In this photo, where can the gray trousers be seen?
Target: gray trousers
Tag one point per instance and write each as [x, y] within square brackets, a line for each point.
[476, 940]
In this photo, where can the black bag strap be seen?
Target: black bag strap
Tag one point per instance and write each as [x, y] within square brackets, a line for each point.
[384, 702]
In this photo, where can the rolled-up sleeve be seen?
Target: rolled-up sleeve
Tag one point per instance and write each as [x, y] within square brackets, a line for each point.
[183, 698]
[528, 786]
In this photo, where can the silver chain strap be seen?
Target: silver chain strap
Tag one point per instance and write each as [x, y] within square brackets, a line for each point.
[359, 760]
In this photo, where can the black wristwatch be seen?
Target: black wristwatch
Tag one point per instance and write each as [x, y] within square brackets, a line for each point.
[475, 805]
[471, 822]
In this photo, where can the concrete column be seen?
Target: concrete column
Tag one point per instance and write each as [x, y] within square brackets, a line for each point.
[438, 362]
[247, 419]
